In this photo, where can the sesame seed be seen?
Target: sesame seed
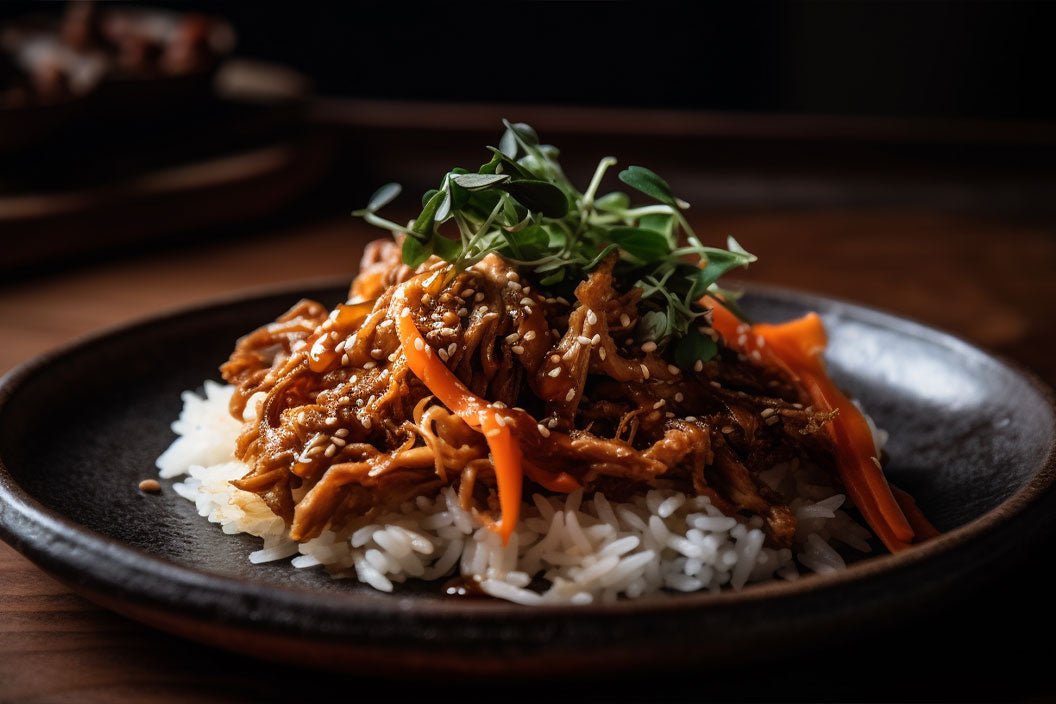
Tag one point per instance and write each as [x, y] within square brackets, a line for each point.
[629, 341]
[554, 373]
[772, 419]
[592, 317]
[673, 369]
[513, 337]
[345, 361]
[517, 349]
[330, 422]
[527, 289]
[552, 423]
[405, 312]
[625, 320]
[698, 366]
[570, 395]
[742, 340]
[742, 329]
[756, 356]
[463, 312]
[377, 353]
[767, 412]
[448, 331]
[512, 275]
[500, 421]
[645, 371]
[330, 451]
[543, 430]
[151, 486]
[679, 397]
[716, 384]
[466, 293]
[338, 442]
[797, 406]
[526, 301]
[555, 358]
[370, 365]
[479, 297]
[528, 311]
[669, 414]
[562, 300]
[602, 354]
[583, 340]
[335, 335]
[513, 285]
[596, 340]
[340, 347]
[649, 346]
[529, 336]
[659, 404]
[492, 433]
[419, 344]
[426, 299]
[498, 404]
[442, 353]
[385, 324]
[554, 332]
[760, 341]
[727, 429]
[876, 462]
[451, 349]
[341, 432]
[367, 422]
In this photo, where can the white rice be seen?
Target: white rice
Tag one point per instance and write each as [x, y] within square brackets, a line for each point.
[566, 550]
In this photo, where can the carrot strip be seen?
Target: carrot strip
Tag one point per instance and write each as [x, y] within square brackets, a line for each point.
[475, 411]
[562, 482]
[796, 347]
[921, 525]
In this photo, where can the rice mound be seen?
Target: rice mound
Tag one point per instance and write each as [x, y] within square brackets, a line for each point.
[566, 550]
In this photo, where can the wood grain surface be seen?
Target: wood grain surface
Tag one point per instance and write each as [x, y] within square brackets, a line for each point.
[991, 281]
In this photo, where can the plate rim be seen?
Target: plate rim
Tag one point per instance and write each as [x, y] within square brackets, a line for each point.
[49, 539]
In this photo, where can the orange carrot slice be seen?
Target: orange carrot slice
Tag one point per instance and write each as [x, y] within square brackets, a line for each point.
[475, 411]
[797, 347]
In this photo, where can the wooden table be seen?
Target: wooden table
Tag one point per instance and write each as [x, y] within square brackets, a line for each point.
[991, 281]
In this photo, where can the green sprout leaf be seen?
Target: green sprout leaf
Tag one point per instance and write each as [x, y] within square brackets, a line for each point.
[521, 206]
[479, 182]
[383, 196]
[646, 246]
[538, 196]
[644, 180]
[694, 346]
[414, 252]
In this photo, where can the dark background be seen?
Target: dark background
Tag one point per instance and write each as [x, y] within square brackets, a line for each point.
[938, 59]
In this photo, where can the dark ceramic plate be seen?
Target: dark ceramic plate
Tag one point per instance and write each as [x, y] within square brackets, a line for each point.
[972, 438]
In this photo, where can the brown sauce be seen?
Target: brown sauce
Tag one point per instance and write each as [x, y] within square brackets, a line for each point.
[463, 588]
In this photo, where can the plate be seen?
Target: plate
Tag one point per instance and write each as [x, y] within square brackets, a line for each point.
[972, 437]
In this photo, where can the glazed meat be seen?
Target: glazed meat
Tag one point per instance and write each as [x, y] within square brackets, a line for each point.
[337, 425]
